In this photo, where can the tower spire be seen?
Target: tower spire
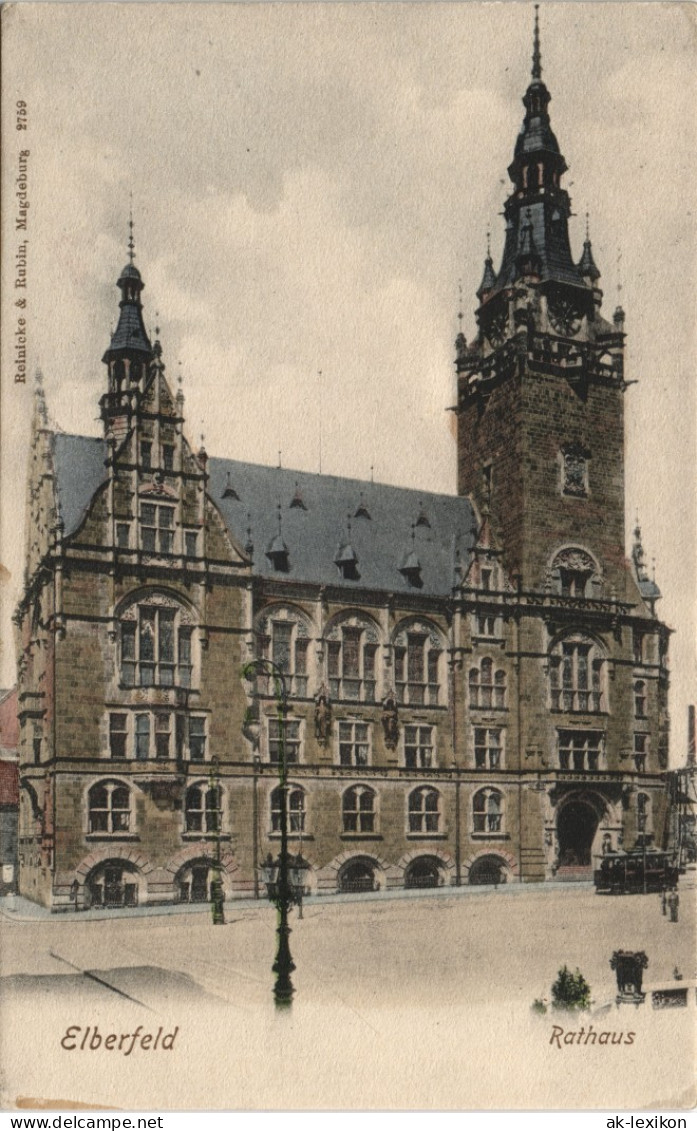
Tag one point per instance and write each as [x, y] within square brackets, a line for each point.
[536, 55]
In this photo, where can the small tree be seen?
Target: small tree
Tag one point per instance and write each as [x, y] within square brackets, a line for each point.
[570, 991]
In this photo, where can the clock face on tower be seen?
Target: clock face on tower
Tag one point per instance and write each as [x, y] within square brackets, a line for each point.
[564, 316]
[495, 328]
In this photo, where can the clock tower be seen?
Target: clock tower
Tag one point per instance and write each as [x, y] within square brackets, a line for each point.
[541, 388]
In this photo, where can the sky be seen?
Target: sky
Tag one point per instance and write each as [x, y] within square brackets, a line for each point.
[311, 188]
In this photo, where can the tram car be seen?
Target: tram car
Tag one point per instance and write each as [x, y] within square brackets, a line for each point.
[628, 873]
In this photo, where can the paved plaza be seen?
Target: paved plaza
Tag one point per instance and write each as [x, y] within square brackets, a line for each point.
[399, 1002]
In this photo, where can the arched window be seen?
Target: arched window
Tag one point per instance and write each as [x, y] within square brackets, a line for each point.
[295, 809]
[487, 687]
[577, 675]
[424, 810]
[358, 809]
[156, 644]
[283, 638]
[639, 699]
[417, 662]
[487, 811]
[203, 809]
[109, 808]
[352, 649]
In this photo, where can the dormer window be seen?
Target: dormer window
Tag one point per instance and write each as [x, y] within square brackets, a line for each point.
[277, 554]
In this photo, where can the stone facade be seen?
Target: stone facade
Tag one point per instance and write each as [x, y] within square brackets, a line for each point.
[476, 685]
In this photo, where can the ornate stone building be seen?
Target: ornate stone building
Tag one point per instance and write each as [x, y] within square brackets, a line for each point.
[477, 684]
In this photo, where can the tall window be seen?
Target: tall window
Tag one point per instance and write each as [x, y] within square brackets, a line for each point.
[118, 735]
[487, 811]
[295, 809]
[641, 750]
[354, 744]
[424, 810]
[109, 808]
[203, 808]
[351, 659]
[358, 810]
[286, 643]
[291, 739]
[487, 687]
[488, 748]
[580, 750]
[156, 528]
[577, 676]
[639, 699]
[418, 747]
[156, 648]
[417, 667]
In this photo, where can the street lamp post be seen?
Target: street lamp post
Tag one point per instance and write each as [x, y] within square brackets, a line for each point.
[217, 892]
[281, 885]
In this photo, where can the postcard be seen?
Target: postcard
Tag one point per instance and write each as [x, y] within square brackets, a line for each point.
[347, 757]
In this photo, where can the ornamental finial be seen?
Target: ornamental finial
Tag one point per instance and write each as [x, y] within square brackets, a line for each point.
[536, 56]
[131, 242]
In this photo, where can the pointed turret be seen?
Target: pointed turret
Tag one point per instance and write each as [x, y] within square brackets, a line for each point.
[129, 354]
[647, 585]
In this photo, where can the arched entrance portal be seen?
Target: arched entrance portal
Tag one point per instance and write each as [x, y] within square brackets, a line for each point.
[577, 825]
[113, 883]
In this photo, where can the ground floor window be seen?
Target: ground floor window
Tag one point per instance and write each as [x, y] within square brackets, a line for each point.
[424, 872]
[358, 876]
[488, 870]
[487, 811]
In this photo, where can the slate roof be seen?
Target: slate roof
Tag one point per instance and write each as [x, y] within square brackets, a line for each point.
[551, 241]
[78, 462]
[314, 532]
[130, 331]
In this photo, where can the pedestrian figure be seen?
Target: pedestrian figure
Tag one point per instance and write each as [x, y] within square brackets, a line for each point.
[664, 899]
[673, 905]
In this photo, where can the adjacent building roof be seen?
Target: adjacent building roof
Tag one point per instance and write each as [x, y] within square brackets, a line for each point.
[9, 784]
[260, 503]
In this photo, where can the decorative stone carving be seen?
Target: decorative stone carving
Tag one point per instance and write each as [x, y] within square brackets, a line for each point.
[390, 720]
[323, 716]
